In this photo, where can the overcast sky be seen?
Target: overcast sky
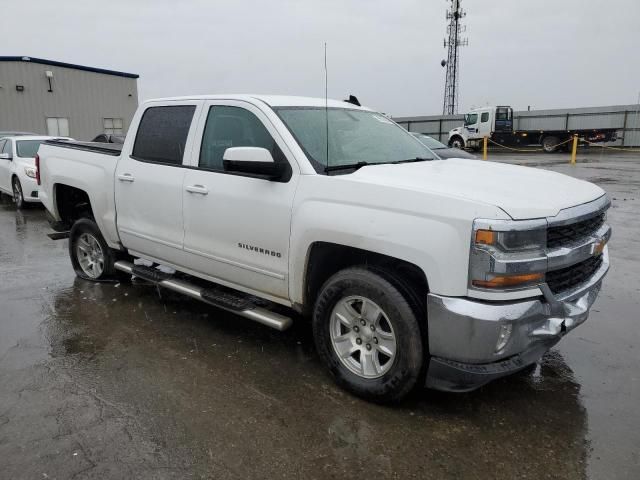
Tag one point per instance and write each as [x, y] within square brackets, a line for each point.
[543, 53]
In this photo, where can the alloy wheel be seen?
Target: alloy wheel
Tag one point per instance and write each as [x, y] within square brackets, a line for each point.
[90, 255]
[362, 337]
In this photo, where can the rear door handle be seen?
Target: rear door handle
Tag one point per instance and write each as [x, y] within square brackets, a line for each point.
[126, 177]
[200, 189]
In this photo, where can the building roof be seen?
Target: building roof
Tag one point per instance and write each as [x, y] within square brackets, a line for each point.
[68, 65]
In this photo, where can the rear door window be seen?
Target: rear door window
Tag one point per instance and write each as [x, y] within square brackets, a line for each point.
[162, 134]
[485, 117]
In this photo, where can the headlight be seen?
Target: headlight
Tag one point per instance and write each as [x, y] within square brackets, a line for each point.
[507, 255]
[30, 172]
[514, 240]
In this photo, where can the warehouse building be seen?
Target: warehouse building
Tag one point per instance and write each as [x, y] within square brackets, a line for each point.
[56, 98]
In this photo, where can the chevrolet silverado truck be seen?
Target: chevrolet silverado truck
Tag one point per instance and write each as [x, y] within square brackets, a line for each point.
[412, 270]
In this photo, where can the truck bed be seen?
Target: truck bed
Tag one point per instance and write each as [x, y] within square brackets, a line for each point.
[87, 167]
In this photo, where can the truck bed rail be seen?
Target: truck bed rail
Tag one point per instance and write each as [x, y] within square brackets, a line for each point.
[112, 149]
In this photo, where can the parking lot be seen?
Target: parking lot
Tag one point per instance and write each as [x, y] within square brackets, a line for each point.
[125, 381]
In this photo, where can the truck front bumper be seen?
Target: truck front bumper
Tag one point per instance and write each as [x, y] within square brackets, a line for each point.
[466, 336]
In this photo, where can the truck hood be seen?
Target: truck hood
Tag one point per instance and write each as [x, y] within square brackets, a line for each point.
[522, 192]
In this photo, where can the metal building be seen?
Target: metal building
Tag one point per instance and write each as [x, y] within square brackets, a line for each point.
[56, 98]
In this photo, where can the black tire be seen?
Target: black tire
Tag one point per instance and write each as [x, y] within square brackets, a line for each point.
[550, 144]
[88, 227]
[18, 195]
[410, 354]
[457, 142]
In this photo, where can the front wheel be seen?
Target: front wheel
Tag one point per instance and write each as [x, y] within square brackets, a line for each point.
[368, 335]
[91, 257]
[457, 142]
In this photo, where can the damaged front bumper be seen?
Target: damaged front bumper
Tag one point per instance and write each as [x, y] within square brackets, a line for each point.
[467, 337]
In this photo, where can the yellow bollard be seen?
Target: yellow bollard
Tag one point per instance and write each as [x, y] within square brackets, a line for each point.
[574, 149]
[484, 148]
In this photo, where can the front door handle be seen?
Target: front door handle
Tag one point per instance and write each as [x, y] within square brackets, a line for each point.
[126, 177]
[200, 189]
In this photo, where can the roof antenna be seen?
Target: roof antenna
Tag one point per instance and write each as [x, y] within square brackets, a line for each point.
[326, 101]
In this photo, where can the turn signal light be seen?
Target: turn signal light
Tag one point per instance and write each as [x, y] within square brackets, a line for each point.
[485, 237]
[509, 281]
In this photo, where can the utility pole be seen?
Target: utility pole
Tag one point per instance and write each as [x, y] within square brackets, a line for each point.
[453, 44]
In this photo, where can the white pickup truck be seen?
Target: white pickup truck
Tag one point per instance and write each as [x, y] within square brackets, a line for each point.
[413, 270]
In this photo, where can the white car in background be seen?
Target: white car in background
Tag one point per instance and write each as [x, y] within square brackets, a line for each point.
[18, 169]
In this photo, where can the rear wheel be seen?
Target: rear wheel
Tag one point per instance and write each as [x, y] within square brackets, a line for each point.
[91, 257]
[550, 144]
[18, 196]
[368, 335]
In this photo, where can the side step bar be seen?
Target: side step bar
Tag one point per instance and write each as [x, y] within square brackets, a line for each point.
[58, 235]
[231, 302]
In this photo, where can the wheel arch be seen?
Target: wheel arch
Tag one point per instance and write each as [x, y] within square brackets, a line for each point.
[14, 177]
[324, 259]
[71, 204]
[457, 136]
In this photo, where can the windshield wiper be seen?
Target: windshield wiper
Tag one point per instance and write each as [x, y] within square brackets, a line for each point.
[356, 166]
[411, 160]
[348, 166]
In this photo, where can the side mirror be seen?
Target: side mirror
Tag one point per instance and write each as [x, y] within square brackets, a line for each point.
[5, 156]
[253, 161]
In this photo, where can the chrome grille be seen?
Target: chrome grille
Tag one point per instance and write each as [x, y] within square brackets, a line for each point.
[569, 277]
[565, 234]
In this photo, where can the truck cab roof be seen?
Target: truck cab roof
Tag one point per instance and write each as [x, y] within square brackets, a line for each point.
[271, 100]
[488, 107]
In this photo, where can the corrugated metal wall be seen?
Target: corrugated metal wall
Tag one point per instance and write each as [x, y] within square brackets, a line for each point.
[626, 118]
[85, 98]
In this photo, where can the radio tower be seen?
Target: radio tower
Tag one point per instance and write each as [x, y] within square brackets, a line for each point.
[453, 44]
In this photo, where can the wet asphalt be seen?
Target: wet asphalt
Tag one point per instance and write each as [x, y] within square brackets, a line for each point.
[124, 381]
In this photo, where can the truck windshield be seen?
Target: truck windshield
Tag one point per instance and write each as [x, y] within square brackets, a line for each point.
[471, 119]
[27, 148]
[356, 137]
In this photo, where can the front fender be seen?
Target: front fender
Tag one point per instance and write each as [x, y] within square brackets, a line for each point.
[415, 227]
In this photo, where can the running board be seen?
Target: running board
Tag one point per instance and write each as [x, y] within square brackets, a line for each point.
[58, 235]
[237, 303]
